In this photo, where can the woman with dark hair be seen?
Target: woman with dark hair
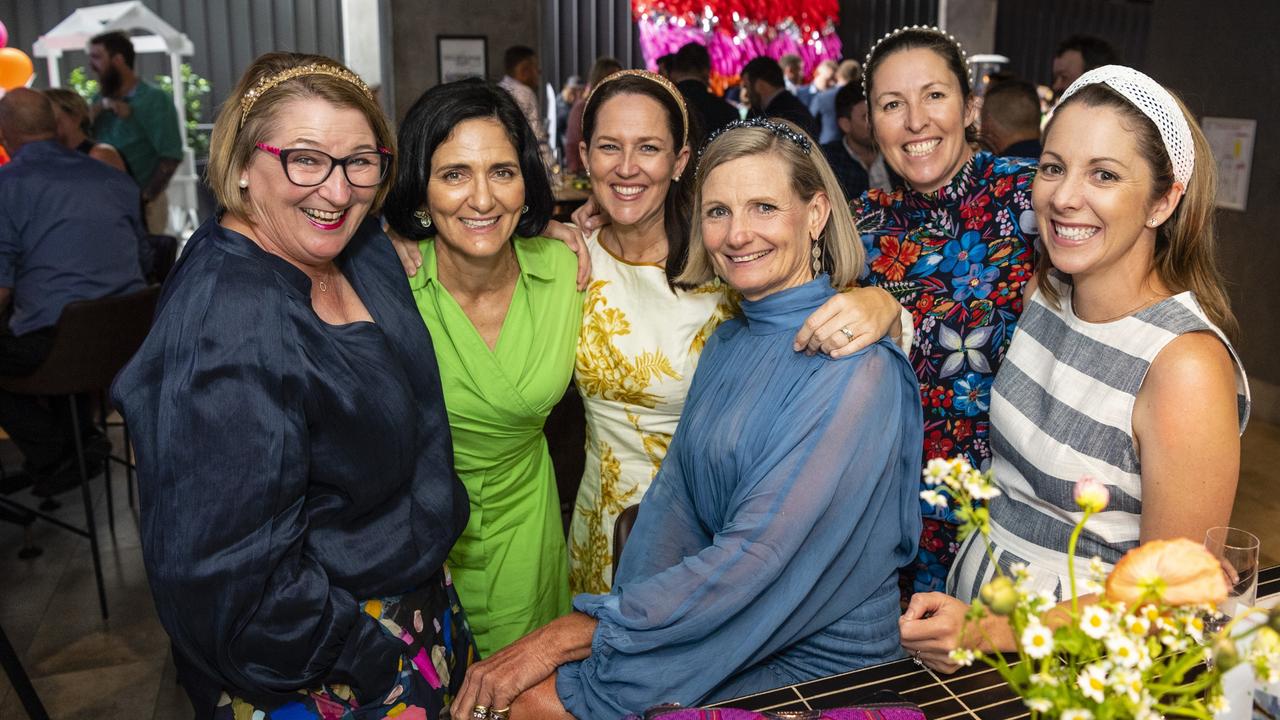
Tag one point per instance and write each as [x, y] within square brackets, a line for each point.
[954, 246]
[504, 312]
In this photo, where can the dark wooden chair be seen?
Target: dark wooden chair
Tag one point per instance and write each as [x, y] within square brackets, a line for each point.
[622, 531]
[93, 340]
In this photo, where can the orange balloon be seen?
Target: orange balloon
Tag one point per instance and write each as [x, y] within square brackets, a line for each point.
[15, 68]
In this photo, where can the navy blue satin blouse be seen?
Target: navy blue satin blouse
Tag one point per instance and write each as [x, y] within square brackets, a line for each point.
[288, 468]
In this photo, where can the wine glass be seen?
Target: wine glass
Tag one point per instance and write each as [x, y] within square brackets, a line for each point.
[1237, 550]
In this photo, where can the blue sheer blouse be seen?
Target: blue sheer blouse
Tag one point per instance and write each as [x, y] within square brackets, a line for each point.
[288, 468]
[767, 549]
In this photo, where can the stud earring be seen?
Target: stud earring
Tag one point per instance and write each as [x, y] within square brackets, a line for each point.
[676, 178]
[244, 183]
[424, 218]
[524, 210]
[1152, 222]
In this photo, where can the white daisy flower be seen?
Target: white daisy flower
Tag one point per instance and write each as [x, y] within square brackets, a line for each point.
[1136, 625]
[1095, 621]
[936, 471]
[1194, 626]
[1093, 682]
[963, 657]
[934, 498]
[1037, 640]
[1076, 714]
[1122, 650]
[1218, 705]
[1128, 683]
[1040, 705]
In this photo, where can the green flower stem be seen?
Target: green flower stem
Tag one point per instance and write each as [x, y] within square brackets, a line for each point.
[1071, 565]
[1191, 712]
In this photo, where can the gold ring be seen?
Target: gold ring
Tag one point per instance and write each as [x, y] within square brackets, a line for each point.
[479, 712]
[500, 714]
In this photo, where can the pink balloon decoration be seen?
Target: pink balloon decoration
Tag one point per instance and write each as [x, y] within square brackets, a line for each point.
[4, 35]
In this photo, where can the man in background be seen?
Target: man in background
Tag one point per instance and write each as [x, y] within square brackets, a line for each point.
[520, 65]
[70, 229]
[569, 94]
[691, 72]
[853, 157]
[764, 86]
[1077, 55]
[1010, 119]
[792, 72]
[823, 105]
[138, 119]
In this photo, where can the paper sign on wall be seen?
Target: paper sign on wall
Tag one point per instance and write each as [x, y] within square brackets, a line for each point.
[1231, 140]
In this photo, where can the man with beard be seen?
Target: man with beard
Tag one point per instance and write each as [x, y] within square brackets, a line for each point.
[139, 119]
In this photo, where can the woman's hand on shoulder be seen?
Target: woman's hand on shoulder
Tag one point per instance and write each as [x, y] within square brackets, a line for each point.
[589, 216]
[932, 626]
[573, 238]
[866, 313]
[407, 250]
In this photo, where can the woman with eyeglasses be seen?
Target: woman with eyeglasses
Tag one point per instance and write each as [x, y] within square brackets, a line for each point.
[298, 497]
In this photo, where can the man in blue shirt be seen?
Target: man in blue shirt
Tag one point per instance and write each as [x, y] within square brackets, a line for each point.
[70, 229]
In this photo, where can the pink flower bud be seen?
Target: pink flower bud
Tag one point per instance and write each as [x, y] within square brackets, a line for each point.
[1091, 495]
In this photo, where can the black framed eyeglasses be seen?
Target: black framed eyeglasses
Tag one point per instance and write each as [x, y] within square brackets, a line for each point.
[307, 167]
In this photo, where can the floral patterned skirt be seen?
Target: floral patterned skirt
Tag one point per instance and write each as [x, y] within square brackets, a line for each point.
[928, 572]
[439, 648]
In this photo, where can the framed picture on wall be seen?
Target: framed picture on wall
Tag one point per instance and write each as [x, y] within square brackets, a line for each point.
[461, 57]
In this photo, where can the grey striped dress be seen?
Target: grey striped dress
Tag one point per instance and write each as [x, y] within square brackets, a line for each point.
[1061, 407]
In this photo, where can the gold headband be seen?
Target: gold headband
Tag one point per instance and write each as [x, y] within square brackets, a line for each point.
[270, 81]
[675, 95]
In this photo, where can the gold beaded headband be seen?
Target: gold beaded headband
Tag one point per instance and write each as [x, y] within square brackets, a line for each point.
[675, 95]
[270, 81]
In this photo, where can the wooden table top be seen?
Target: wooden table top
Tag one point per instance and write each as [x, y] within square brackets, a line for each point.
[976, 692]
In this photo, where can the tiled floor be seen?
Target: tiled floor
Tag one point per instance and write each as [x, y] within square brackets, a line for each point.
[84, 667]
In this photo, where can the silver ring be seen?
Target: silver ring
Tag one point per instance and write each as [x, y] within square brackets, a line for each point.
[479, 712]
[915, 658]
[848, 334]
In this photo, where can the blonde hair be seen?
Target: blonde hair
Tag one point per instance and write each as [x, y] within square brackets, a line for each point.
[809, 173]
[237, 130]
[1186, 242]
[71, 103]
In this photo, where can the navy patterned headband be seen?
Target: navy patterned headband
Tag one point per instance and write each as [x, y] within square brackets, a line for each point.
[779, 129]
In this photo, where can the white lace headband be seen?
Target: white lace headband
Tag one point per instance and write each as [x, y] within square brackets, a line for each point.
[1156, 103]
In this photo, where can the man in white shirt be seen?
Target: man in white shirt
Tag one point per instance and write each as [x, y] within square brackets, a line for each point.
[521, 80]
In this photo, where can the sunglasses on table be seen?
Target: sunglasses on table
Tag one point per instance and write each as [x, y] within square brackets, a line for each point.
[307, 167]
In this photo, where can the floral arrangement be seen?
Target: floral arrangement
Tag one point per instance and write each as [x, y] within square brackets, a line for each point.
[1139, 651]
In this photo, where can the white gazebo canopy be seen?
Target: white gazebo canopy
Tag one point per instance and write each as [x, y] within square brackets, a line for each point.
[155, 36]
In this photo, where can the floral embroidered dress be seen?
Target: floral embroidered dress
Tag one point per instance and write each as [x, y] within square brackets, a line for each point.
[639, 346]
[958, 260]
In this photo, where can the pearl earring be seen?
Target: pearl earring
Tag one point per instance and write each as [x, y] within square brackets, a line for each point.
[1152, 222]
[244, 183]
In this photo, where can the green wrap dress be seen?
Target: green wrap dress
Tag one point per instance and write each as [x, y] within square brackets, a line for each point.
[510, 566]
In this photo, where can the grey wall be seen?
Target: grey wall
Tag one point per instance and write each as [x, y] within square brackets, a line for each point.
[863, 22]
[227, 34]
[416, 24]
[1225, 63]
[1028, 31]
[576, 32]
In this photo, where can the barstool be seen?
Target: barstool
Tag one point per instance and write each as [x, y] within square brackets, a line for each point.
[92, 342]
